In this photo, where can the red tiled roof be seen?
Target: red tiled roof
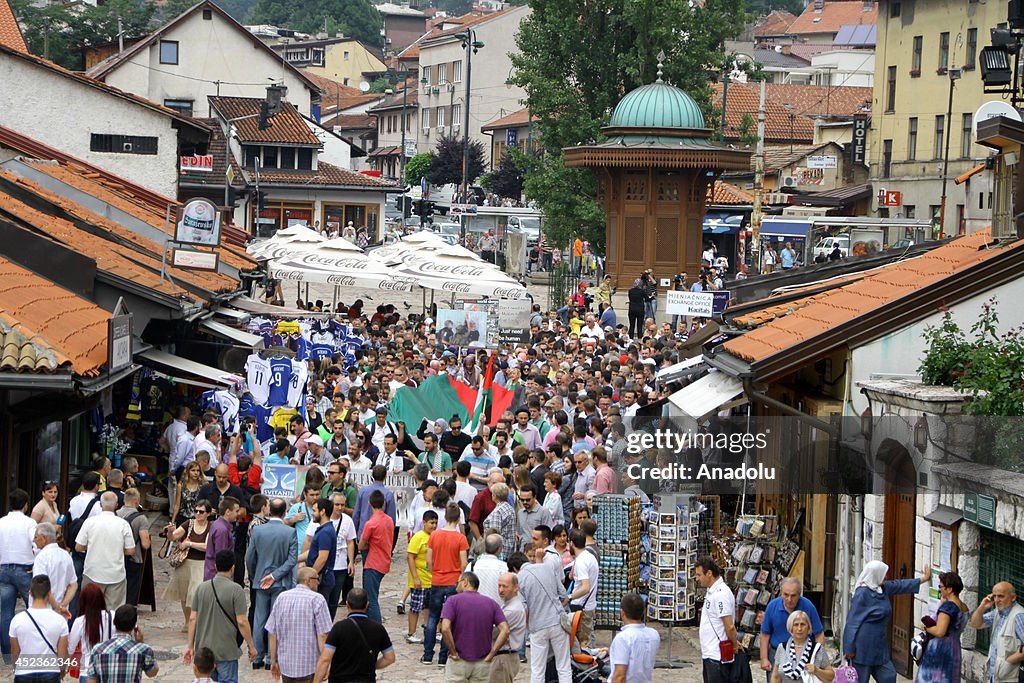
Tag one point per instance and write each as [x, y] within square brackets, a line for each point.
[330, 90]
[287, 127]
[44, 327]
[328, 106]
[726, 193]
[465, 21]
[806, 51]
[833, 15]
[352, 121]
[805, 319]
[326, 174]
[108, 65]
[118, 251]
[745, 98]
[10, 32]
[100, 85]
[776, 23]
[411, 98]
[820, 100]
[156, 218]
[514, 120]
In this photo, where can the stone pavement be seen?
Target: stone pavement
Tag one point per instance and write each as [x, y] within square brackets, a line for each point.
[162, 630]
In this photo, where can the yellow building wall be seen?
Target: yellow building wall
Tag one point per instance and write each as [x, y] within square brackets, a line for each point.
[345, 63]
[926, 96]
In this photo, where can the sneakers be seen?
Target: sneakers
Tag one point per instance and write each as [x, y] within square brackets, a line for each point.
[426, 660]
[413, 638]
[401, 608]
[522, 659]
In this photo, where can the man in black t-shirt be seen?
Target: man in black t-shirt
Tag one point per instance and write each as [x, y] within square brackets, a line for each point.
[356, 647]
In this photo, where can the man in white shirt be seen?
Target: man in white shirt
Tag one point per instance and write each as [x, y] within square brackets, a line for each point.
[505, 664]
[464, 491]
[345, 557]
[105, 540]
[583, 597]
[357, 462]
[90, 491]
[55, 562]
[16, 556]
[176, 429]
[635, 647]
[591, 329]
[716, 621]
[41, 635]
[488, 568]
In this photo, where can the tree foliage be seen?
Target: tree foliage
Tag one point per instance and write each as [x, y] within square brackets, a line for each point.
[507, 179]
[356, 18]
[417, 167]
[572, 85]
[446, 167]
[762, 7]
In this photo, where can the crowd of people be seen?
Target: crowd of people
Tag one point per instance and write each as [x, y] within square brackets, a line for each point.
[500, 536]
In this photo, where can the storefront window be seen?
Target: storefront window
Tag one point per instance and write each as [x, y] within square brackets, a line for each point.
[48, 449]
[337, 216]
[278, 215]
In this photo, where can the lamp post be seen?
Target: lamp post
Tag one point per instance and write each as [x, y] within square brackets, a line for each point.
[954, 75]
[472, 46]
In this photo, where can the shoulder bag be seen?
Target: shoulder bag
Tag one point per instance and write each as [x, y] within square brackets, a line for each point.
[177, 555]
[234, 622]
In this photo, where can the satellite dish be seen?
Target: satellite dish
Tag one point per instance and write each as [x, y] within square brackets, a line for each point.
[364, 86]
[993, 108]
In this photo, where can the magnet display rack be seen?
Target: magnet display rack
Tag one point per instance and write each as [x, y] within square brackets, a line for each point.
[619, 545]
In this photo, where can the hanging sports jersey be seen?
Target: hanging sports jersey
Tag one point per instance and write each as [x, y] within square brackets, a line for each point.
[289, 327]
[227, 405]
[280, 378]
[297, 383]
[282, 417]
[301, 347]
[257, 375]
[320, 351]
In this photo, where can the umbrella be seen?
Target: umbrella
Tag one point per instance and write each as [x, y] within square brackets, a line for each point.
[288, 249]
[338, 266]
[294, 236]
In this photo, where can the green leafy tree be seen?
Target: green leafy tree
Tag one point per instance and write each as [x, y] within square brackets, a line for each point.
[356, 18]
[762, 7]
[417, 167]
[507, 179]
[446, 167]
[748, 130]
[572, 85]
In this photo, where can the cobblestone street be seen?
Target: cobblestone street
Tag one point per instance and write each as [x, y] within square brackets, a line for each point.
[163, 631]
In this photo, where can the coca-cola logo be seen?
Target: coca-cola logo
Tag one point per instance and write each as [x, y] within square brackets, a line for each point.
[344, 280]
[290, 275]
[457, 287]
[332, 263]
[462, 271]
[508, 293]
[394, 285]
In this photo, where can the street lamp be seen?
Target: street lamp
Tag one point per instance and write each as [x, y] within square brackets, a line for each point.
[471, 45]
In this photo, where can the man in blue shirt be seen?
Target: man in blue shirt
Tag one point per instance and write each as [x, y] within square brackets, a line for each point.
[323, 546]
[363, 512]
[773, 626]
[787, 256]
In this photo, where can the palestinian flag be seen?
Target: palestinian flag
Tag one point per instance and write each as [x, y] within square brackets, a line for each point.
[442, 396]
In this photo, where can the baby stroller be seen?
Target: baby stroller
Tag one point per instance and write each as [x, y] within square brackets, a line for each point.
[587, 665]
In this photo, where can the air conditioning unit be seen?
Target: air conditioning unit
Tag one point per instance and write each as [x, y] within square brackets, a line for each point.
[788, 181]
[440, 130]
[435, 90]
[426, 132]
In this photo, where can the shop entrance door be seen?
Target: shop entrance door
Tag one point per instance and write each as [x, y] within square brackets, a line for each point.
[898, 546]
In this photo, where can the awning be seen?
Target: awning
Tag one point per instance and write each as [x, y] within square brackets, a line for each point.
[252, 306]
[785, 228]
[680, 370]
[707, 395]
[177, 366]
[232, 334]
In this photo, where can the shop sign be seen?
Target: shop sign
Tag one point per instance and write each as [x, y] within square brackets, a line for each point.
[119, 338]
[199, 223]
[890, 197]
[822, 161]
[858, 149]
[193, 258]
[699, 304]
[197, 163]
[980, 509]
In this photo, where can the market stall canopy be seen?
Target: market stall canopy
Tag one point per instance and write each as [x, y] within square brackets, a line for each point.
[427, 243]
[294, 236]
[339, 266]
[177, 366]
[708, 395]
[290, 249]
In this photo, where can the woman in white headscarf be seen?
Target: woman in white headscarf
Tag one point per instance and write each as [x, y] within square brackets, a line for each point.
[864, 637]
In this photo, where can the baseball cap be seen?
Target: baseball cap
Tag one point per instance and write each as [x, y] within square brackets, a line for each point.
[315, 440]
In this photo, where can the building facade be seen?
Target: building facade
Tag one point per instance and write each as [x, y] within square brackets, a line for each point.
[343, 60]
[920, 46]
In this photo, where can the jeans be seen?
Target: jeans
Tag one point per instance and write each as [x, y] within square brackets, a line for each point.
[436, 597]
[265, 600]
[133, 575]
[714, 671]
[15, 580]
[37, 678]
[226, 672]
[882, 673]
[371, 584]
[342, 585]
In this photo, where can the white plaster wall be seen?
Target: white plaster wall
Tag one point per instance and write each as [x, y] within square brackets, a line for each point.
[36, 99]
[208, 51]
[335, 150]
[900, 351]
[854, 68]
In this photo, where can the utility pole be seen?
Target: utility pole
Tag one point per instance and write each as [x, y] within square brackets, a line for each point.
[755, 215]
[725, 94]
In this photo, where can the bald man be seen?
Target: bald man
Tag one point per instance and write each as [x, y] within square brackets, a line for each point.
[106, 539]
[1000, 612]
[505, 665]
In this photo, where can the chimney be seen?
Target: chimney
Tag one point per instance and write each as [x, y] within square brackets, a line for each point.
[819, 5]
[787, 49]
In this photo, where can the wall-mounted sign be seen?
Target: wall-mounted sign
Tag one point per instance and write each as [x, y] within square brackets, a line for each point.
[195, 259]
[410, 149]
[199, 223]
[511, 137]
[699, 304]
[119, 338]
[890, 197]
[822, 161]
[980, 509]
[858, 148]
[197, 163]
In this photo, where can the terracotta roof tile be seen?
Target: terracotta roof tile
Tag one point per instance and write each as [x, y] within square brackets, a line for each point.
[87, 182]
[744, 98]
[44, 328]
[10, 32]
[833, 15]
[326, 174]
[352, 121]
[516, 118]
[774, 24]
[726, 193]
[466, 21]
[121, 252]
[287, 127]
[806, 51]
[820, 100]
[330, 90]
[329, 105]
[823, 312]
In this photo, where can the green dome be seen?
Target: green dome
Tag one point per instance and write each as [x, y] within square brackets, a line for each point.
[657, 105]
